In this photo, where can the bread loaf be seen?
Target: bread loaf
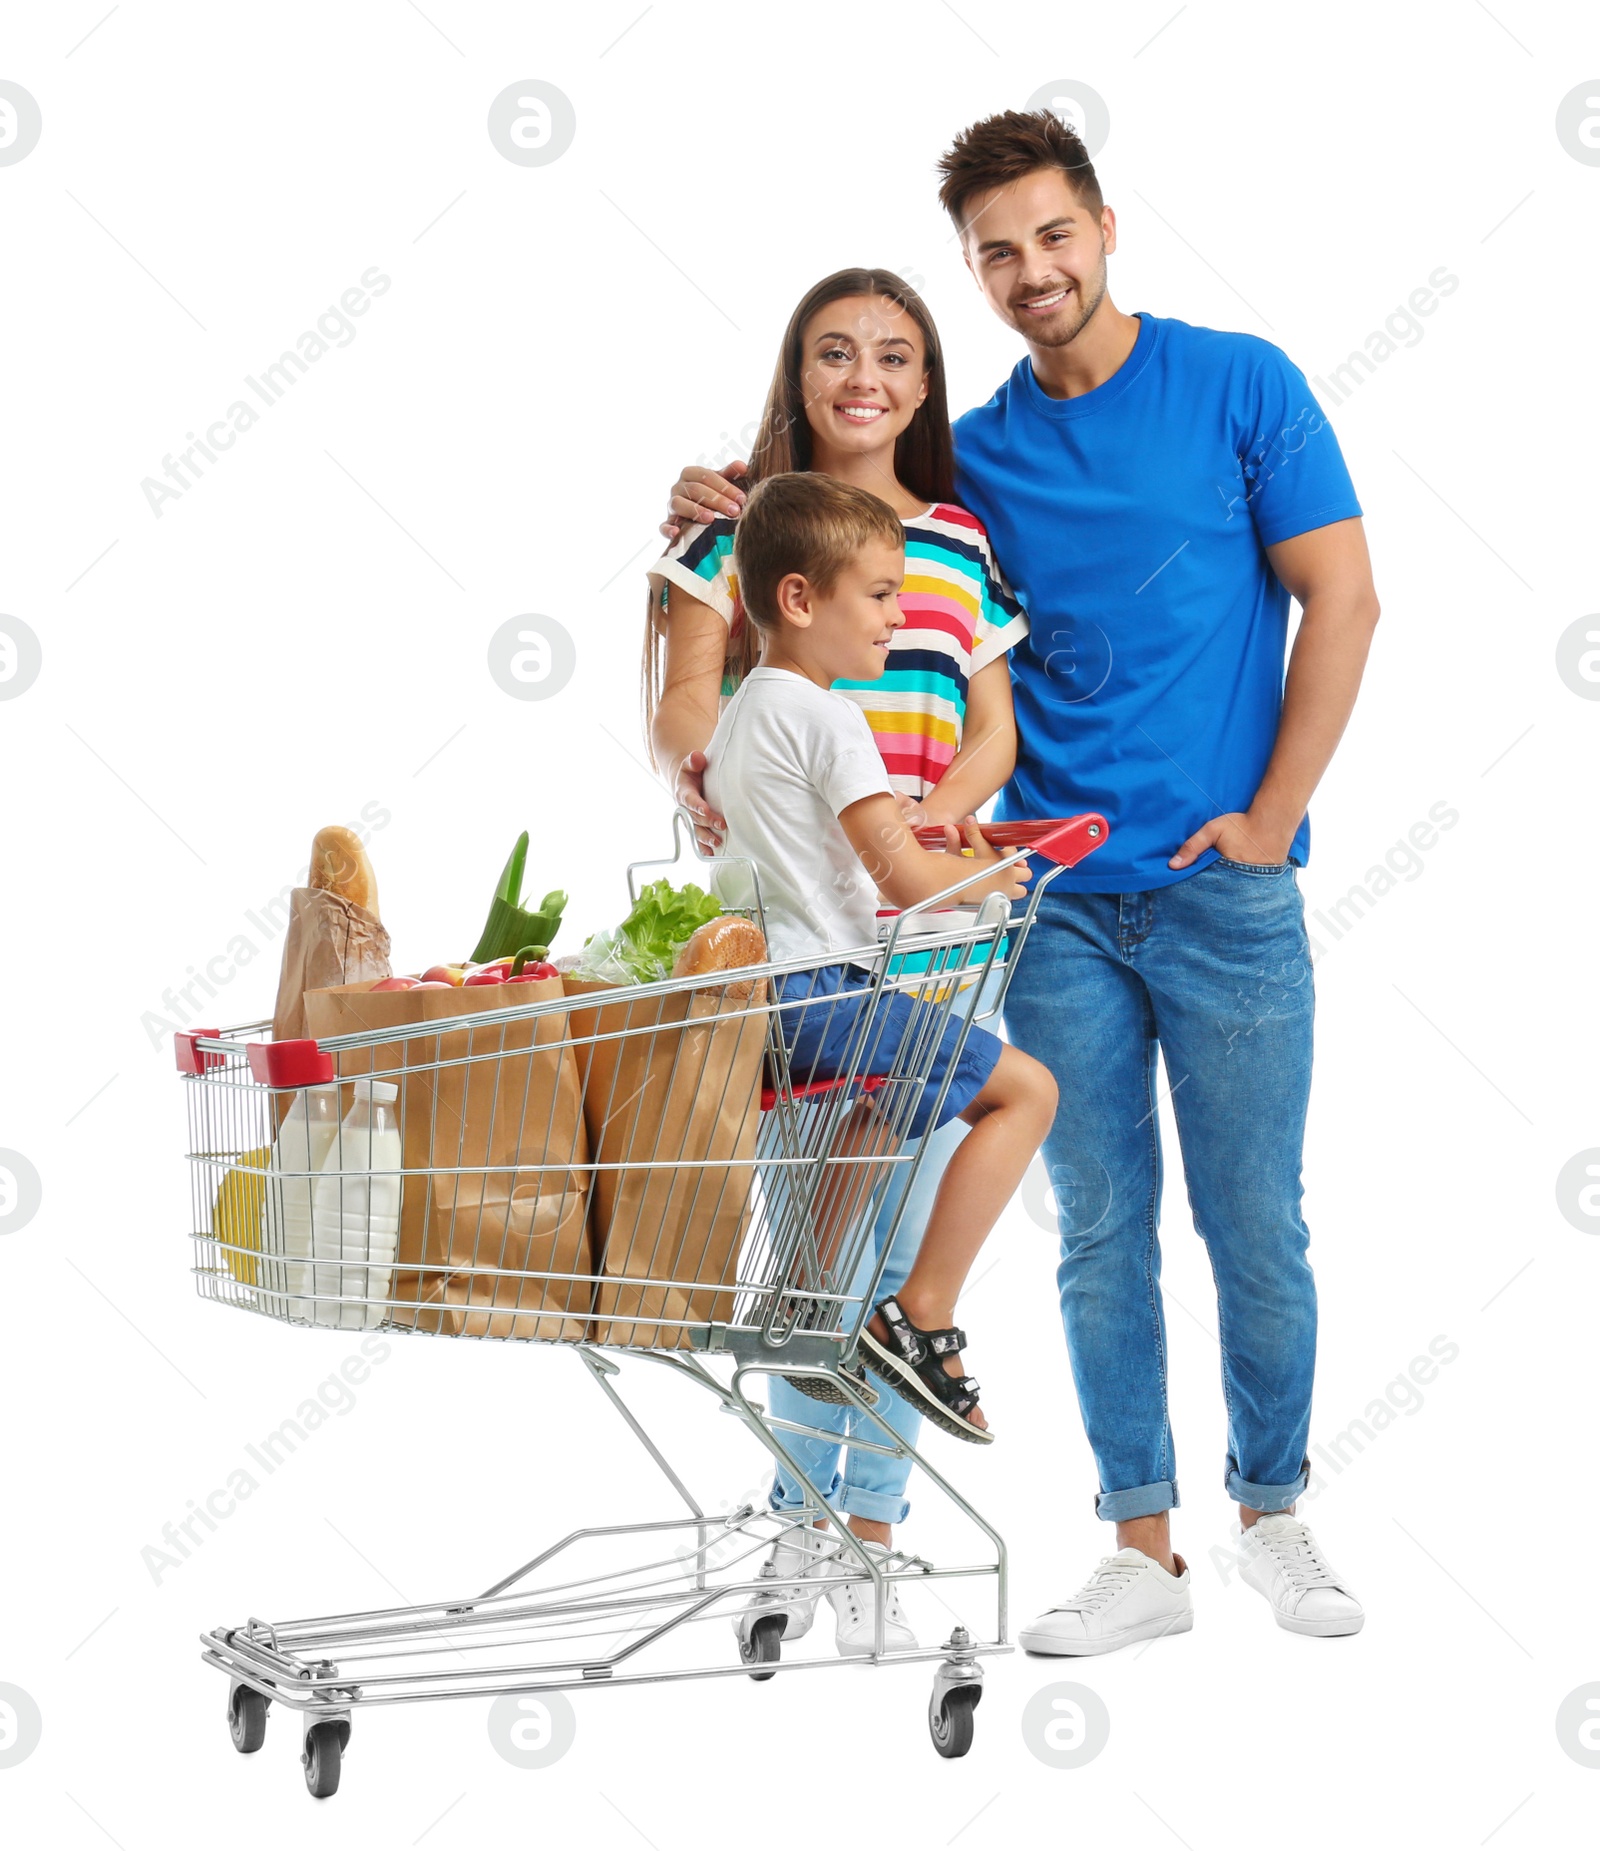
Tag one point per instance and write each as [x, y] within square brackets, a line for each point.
[339, 865]
[724, 944]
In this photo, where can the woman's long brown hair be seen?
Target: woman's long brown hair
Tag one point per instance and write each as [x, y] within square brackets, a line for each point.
[924, 456]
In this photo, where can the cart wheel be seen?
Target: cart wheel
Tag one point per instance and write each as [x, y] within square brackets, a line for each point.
[950, 1724]
[247, 1719]
[324, 1746]
[766, 1642]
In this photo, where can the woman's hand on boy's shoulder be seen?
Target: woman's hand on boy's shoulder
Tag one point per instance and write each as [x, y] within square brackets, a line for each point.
[700, 495]
[689, 788]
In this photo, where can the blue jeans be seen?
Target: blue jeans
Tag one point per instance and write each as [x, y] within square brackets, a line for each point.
[1216, 971]
[860, 1483]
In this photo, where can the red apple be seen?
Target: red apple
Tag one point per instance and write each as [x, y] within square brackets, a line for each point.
[485, 976]
[444, 973]
[397, 983]
[435, 986]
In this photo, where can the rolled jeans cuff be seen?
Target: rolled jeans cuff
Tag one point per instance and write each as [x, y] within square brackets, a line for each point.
[787, 1496]
[1265, 1497]
[1141, 1501]
[879, 1506]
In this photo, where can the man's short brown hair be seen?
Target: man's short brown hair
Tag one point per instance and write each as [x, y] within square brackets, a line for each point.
[805, 523]
[1003, 148]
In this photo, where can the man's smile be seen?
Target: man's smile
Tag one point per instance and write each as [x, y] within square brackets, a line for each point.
[1042, 305]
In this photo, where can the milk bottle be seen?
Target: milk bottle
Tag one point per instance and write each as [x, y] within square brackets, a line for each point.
[356, 1215]
[304, 1140]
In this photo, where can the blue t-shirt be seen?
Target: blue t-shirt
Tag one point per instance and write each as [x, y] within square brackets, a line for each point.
[1132, 523]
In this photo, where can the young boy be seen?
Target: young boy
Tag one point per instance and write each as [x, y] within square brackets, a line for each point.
[794, 769]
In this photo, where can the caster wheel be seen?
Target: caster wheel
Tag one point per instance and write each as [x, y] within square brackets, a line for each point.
[764, 1645]
[323, 1752]
[247, 1720]
[950, 1724]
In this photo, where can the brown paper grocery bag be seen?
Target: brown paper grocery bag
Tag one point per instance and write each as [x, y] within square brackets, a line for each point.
[330, 940]
[478, 1105]
[680, 1086]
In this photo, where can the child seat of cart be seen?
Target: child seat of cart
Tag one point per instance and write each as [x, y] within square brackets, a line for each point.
[948, 961]
[817, 1089]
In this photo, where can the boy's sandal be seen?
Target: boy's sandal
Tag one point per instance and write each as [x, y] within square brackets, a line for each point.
[912, 1362]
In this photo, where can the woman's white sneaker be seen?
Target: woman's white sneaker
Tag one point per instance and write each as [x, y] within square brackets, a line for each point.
[798, 1556]
[1128, 1597]
[1279, 1557]
[855, 1604]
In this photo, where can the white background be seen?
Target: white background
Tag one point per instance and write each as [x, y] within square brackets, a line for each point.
[304, 633]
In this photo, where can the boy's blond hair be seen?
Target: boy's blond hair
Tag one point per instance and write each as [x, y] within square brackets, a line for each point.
[805, 523]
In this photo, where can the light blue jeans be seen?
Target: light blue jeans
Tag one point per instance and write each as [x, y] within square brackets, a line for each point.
[850, 1479]
[1215, 970]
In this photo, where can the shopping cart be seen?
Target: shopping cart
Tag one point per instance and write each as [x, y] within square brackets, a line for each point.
[676, 1218]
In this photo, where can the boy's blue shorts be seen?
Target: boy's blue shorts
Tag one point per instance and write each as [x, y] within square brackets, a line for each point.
[822, 1036]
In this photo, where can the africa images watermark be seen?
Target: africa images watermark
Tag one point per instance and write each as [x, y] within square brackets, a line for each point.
[334, 1396]
[185, 1004]
[1402, 863]
[1272, 450]
[334, 328]
[1402, 1395]
[1269, 452]
[1401, 328]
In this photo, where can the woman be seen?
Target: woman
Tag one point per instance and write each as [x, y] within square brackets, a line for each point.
[859, 394]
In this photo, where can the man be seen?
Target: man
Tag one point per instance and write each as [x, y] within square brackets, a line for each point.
[1156, 494]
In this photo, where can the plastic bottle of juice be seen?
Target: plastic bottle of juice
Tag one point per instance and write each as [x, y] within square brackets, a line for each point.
[356, 1213]
[304, 1139]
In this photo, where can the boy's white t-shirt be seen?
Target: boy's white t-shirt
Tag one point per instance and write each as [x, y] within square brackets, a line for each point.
[786, 758]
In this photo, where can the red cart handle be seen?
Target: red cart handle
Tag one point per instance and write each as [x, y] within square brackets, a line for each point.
[278, 1064]
[192, 1058]
[1064, 839]
[283, 1064]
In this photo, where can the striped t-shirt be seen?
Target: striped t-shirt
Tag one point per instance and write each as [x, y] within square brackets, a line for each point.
[960, 615]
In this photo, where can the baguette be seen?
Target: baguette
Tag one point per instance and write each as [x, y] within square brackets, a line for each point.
[724, 944]
[339, 865]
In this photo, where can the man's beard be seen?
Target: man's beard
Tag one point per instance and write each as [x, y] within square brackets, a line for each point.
[1066, 336]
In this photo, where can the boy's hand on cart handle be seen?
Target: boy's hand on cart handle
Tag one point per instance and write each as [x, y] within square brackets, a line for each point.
[1011, 879]
[906, 874]
[690, 791]
[700, 495]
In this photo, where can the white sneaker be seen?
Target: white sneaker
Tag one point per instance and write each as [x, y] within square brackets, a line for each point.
[798, 1556]
[1127, 1598]
[1281, 1560]
[855, 1605]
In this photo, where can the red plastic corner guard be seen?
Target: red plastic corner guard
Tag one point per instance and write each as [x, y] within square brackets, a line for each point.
[289, 1063]
[1077, 837]
[190, 1059]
